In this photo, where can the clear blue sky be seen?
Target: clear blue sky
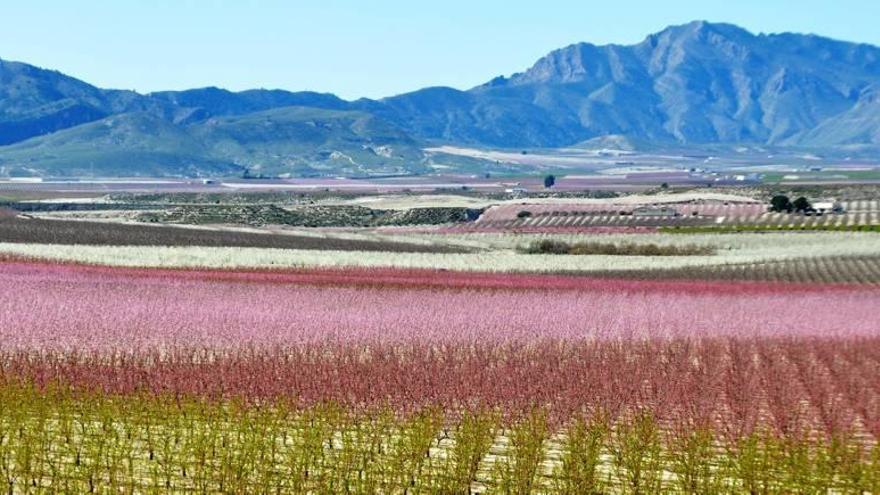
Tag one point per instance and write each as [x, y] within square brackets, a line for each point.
[361, 47]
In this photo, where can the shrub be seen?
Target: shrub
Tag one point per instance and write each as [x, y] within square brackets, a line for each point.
[548, 246]
[780, 203]
[637, 452]
[801, 204]
[693, 460]
[580, 469]
[518, 470]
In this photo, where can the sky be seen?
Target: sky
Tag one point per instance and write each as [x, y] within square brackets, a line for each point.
[363, 48]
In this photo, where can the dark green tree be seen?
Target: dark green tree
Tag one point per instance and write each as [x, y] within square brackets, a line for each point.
[549, 181]
[780, 202]
[801, 204]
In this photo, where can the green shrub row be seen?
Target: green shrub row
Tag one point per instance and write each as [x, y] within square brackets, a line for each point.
[548, 246]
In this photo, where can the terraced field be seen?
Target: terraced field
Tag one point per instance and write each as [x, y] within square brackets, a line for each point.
[590, 217]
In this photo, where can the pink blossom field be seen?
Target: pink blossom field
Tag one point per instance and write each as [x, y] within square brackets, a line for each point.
[794, 358]
[67, 307]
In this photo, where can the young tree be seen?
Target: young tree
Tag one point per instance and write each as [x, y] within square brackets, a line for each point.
[780, 202]
[549, 181]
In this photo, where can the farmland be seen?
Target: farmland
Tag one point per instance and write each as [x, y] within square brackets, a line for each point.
[746, 253]
[473, 356]
[617, 269]
[416, 384]
[66, 232]
[586, 217]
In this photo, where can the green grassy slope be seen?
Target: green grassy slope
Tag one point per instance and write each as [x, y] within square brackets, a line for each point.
[292, 141]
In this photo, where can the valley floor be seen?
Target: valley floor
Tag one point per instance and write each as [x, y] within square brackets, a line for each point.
[201, 357]
[385, 380]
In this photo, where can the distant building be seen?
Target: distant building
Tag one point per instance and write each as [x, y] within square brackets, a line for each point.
[828, 206]
[655, 211]
[747, 177]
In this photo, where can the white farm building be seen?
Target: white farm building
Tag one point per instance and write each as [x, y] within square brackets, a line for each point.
[655, 211]
[828, 206]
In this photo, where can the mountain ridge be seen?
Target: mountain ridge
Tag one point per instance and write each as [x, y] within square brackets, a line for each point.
[692, 84]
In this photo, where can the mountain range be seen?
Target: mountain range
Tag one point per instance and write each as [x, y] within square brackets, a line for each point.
[695, 84]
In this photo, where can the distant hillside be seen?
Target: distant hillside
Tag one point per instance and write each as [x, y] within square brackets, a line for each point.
[695, 83]
[311, 141]
[691, 85]
[138, 144]
[36, 101]
[198, 104]
[286, 141]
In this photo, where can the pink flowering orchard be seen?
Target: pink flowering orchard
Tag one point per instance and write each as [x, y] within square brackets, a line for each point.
[571, 369]
[425, 376]
[411, 380]
[633, 268]
[49, 307]
[396, 339]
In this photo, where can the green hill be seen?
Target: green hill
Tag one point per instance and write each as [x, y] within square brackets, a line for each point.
[291, 141]
[310, 141]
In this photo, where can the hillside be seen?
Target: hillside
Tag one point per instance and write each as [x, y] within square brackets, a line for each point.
[36, 101]
[291, 140]
[696, 84]
[310, 141]
[139, 144]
